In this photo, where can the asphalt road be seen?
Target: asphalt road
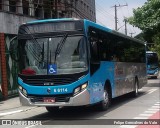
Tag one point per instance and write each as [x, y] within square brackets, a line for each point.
[125, 107]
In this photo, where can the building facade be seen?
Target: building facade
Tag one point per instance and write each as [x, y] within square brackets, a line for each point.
[13, 13]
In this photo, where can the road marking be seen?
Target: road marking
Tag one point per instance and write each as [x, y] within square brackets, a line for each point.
[30, 126]
[146, 114]
[158, 107]
[8, 113]
[140, 118]
[157, 104]
[150, 111]
[128, 126]
[153, 109]
[151, 91]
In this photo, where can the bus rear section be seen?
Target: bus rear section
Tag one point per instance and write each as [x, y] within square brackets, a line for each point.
[152, 64]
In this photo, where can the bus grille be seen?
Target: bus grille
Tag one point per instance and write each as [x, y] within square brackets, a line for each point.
[51, 80]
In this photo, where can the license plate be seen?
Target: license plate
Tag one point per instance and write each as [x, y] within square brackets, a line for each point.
[49, 100]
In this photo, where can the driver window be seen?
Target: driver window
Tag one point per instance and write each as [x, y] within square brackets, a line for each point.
[94, 45]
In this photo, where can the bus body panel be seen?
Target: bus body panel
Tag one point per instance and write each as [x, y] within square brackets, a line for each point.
[152, 72]
[121, 76]
[87, 24]
[98, 79]
[83, 98]
[125, 76]
[54, 90]
[33, 92]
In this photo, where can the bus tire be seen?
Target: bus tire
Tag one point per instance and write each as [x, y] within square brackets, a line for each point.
[155, 77]
[135, 92]
[52, 109]
[105, 103]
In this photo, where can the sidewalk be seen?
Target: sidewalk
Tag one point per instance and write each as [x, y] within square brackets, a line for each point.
[13, 104]
[10, 104]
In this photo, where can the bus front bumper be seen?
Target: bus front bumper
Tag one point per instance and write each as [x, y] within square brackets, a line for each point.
[155, 74]
[83, 98]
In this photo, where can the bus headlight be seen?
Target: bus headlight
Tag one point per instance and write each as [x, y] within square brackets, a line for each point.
[77, 90]
[84, 86]
[80, 88]
[156, 72]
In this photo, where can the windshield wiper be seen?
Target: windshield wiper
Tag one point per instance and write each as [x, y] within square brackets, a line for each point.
[36, 42]
[60, 46]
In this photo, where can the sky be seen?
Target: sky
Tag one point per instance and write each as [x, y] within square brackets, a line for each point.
[105, 14]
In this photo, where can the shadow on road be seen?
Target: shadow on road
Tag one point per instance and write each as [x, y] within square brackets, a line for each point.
[153, 85]
[90, 112]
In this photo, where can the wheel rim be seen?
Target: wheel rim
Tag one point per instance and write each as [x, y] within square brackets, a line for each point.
[136, 88]
[105, 95]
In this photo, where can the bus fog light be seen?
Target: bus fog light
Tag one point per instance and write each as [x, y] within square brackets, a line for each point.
[20, 88]
[24, 92]
[84, 86]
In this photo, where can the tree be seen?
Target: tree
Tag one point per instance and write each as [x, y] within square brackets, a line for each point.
[156, 46]
[147, 18]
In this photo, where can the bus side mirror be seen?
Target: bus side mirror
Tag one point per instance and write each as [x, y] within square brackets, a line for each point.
[14, 48]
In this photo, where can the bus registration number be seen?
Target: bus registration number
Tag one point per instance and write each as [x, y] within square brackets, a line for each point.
[49, 100]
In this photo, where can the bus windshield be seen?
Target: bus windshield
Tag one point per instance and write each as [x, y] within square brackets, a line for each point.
[63, 54]
[152, 58]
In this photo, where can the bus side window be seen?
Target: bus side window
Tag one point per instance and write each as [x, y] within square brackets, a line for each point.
[93, 39]
[102, 48]
[94, 50]
[112, 48]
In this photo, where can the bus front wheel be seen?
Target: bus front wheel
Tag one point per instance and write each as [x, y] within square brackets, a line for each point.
[52, 109]
[105, 103]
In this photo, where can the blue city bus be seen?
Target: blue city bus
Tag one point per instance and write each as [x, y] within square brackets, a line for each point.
[152, 64]
[71, 62]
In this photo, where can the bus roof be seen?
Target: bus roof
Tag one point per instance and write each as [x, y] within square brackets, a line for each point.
[51, 20]
[87, 23]
[104, 28]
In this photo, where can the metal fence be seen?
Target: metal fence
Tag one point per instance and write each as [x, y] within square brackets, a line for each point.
[12, 69]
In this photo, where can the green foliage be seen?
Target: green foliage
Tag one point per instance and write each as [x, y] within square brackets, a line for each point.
[156, 46]
[147, 18]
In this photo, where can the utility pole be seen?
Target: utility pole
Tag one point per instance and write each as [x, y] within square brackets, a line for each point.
[132, 33]
[116, 19]
[125, 22]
